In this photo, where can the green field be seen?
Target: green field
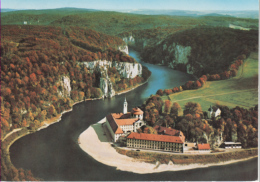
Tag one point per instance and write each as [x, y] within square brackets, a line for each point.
[241, 90]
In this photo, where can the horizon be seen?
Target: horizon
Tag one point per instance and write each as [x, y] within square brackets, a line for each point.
[132, 9]
[114, 5]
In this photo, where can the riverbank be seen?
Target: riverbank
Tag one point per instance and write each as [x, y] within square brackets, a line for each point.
[134, 87]
[18, 133]
[95, 142]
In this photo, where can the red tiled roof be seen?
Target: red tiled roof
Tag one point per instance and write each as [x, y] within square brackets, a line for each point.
[118, 119]
[137, 111]
[154, 137]
[204, 146]
[116, 129]
[124, 119]
[169, 131]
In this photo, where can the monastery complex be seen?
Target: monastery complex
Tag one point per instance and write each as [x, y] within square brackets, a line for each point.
[127, 123]
[123, 127]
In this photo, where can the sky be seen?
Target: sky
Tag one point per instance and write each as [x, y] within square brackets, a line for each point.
[200, 5]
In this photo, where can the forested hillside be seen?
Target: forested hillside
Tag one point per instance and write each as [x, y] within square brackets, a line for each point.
[202, 50]
[41, 74]
[115, 23]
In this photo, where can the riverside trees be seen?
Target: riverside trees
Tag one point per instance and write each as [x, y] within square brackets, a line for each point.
[236, 124]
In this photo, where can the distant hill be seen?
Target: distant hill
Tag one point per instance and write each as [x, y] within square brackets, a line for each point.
[240, 14]
[216, 14]
[8, 10]
[114, 23]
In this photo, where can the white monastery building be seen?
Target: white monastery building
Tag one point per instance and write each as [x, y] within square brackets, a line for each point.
[214, 112]
[124, 123]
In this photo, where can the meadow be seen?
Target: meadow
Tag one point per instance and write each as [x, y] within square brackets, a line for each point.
[241, 90]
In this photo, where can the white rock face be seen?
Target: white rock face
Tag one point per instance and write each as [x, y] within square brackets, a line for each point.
[65, 88]
[129, 39]
[182, 53]
[126, 70]
[190, 69]
[124, 49]
[106, 86]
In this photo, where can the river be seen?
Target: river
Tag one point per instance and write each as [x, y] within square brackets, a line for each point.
[53, 153]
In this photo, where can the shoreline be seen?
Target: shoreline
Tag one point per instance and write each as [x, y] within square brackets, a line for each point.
[93, 138]
[125, 91]
[47, 123]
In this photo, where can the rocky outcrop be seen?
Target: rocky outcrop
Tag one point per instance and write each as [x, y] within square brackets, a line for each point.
[180, 53]
[136, 43]
[129, 40]
[124, 49]
[126, 70]
[64, 87]
[106, 85]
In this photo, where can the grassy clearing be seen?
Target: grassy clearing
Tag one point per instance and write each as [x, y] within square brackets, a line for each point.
[241, 90]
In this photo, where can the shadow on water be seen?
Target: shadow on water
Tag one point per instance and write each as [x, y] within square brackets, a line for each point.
[54, 153]
[102, 135]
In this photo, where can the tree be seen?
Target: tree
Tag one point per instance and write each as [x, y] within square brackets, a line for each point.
[169, 121]
[150, 130]
[6, 91]
[33, 79]
[159, 92]
[167, 106]
[175, 109]
[196, 84]
[188, 85]
[192, 108]
[168, 91]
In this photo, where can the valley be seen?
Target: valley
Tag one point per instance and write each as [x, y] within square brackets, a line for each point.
[76, 65]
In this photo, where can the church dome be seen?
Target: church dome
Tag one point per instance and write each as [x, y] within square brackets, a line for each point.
[137, 111]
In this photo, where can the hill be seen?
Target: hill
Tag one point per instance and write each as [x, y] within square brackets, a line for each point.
[115, 23]
[239, 14]
[44, 70]
[202, 50]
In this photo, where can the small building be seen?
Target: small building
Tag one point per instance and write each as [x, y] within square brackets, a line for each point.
[155, 142]
[204, 147]
[214, 112]
[120, 124]
[169, 131]
[232, 145]
[25, 22]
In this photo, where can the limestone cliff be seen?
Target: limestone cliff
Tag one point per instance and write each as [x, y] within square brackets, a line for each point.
[124, 49]
[177, 54]
[126, 70]
[129, 40]
[106, 84]
[135, 43]
[64, 87]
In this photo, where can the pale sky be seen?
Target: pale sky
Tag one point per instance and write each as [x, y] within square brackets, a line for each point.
[134, 4]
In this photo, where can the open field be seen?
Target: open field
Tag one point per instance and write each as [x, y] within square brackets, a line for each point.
[241, 90]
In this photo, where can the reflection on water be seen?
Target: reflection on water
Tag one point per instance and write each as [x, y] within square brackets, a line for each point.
[53, 153]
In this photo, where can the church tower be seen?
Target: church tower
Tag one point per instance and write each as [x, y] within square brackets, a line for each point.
[125, 107]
